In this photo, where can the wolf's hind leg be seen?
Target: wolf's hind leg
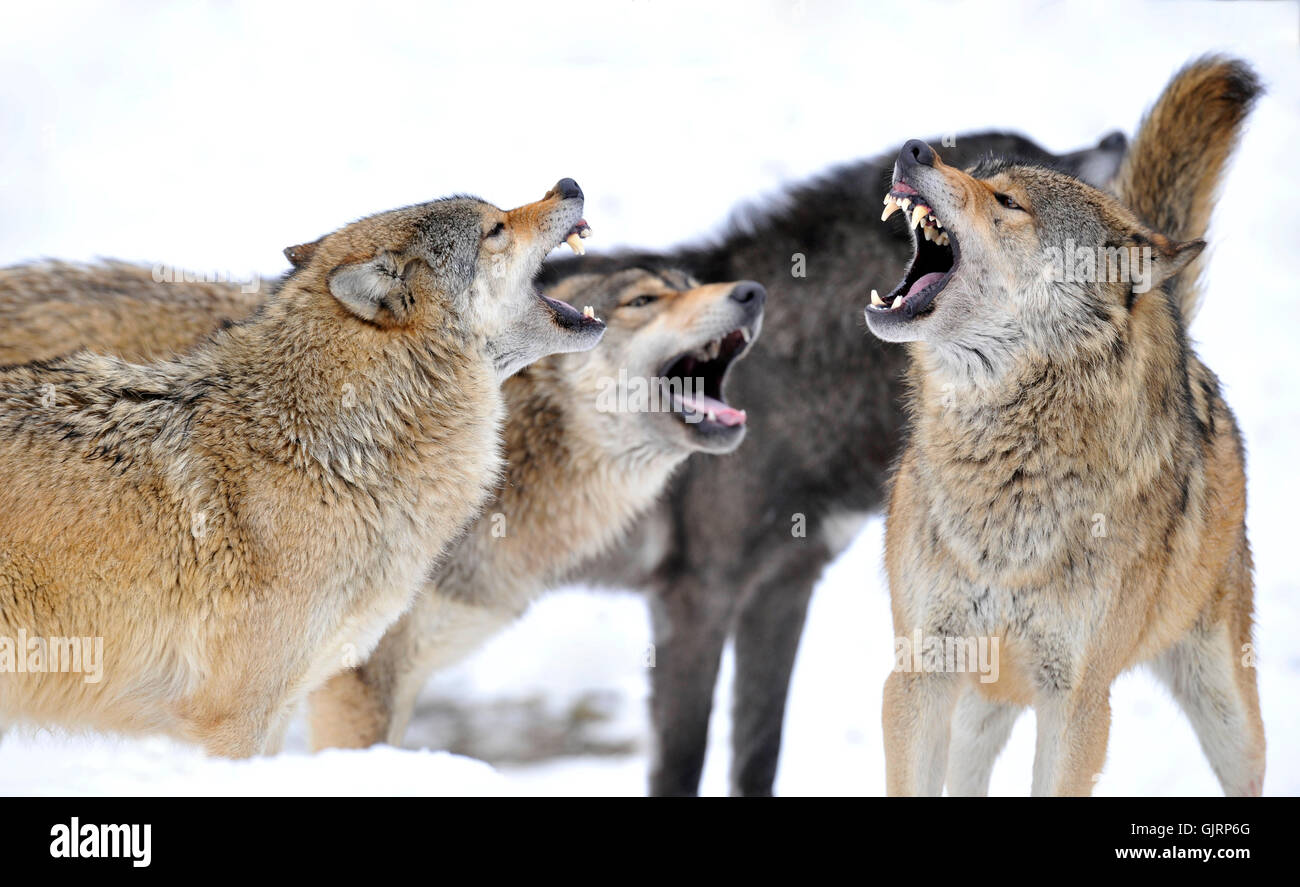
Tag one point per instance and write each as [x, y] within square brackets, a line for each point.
[980, 729]
[1206, 674]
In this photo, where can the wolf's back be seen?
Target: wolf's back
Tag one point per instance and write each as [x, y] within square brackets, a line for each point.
[1173, 169]
[48, 309]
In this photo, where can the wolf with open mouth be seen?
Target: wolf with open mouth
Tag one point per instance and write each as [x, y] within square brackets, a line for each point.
[578, 474]
[722, 555]
[1074, 482]
[937, 251]
[575, 473]
[235, 518]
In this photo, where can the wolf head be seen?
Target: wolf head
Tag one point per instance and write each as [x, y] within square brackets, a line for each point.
[459, 261]
[1014, 259]
[657, 380]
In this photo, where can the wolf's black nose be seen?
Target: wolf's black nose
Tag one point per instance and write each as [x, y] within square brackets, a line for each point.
[747, 291]
[916, 153]
[568, 188]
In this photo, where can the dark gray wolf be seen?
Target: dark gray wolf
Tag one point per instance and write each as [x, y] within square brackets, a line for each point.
[735, 547]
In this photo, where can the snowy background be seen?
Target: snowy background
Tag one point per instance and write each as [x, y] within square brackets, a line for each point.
[211, 135]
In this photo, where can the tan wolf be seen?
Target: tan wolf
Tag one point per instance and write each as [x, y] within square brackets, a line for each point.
[1074, 485]
[578, 471]
[580, 467]
[233, 520]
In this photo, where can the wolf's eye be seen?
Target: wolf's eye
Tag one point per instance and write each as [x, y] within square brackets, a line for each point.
[496, 229]
[1008, 201]
[641, 301]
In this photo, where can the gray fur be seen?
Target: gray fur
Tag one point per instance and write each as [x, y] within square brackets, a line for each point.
[825, 424]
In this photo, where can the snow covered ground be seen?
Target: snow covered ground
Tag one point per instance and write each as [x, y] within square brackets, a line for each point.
[210, 136]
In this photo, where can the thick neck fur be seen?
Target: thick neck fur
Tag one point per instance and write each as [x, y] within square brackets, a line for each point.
[572, 488]
[353, 400]
[298, 386]
[1053, 440]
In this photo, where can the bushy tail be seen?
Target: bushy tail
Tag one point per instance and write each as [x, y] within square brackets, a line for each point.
[1172, 171]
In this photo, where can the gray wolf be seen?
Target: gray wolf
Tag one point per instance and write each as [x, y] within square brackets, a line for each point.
[580, 468]
[231, 520]
[578, 471]
[735, 547]
[1074, 483]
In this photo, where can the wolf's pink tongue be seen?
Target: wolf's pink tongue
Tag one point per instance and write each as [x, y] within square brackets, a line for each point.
[722, 414]
[924, 281]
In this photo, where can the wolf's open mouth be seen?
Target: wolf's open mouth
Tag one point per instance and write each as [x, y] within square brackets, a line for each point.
[696, 378]
[568, 317]
[575, 235]
[933, 263]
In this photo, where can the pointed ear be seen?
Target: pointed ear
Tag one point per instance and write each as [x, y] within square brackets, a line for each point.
[375, 290]
[298, 255]
[1168, 258]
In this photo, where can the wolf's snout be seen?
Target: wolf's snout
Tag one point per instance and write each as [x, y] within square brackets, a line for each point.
[567, 189]
[915, 153]
[747, 292]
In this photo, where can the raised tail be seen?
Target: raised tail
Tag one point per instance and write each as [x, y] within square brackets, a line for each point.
[1174, 166]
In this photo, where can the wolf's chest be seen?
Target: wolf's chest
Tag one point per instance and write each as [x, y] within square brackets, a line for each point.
[1015, 516]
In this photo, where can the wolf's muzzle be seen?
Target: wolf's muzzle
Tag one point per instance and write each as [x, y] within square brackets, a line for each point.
[748, 291]
[914, 153]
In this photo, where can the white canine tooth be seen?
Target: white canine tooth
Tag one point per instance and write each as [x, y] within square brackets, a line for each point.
[746, 334]
[898, 300]
[891, 207]
[888, 198]
[575, 244]
[876, 300]
[712, 416]
[918, 214]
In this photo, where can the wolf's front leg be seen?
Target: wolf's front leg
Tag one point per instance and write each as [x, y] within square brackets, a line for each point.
[238, 734]
[917, 717]
[690, 631]
[980, 730]
[1073, 727]
[373, 703]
